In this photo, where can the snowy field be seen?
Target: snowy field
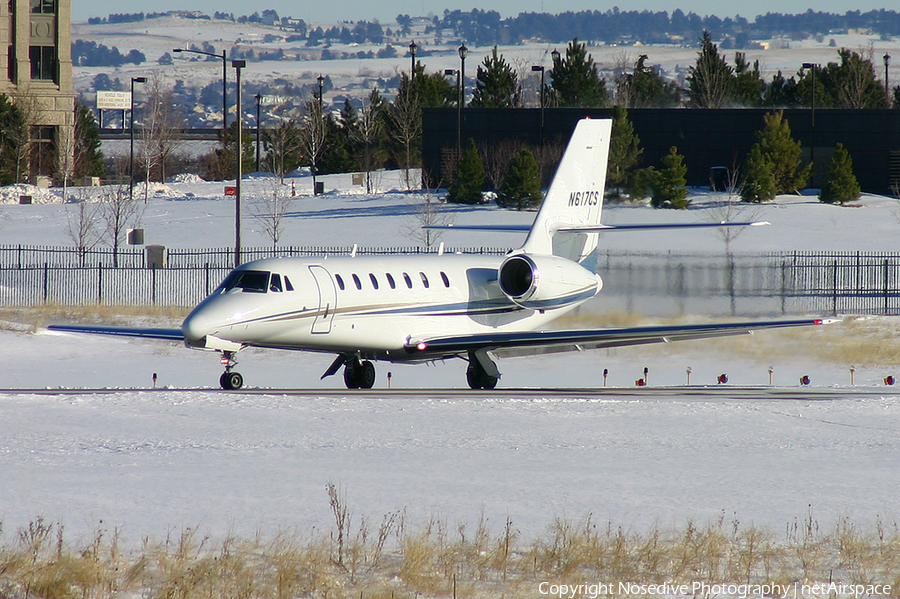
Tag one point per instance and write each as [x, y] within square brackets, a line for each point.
[153, 462]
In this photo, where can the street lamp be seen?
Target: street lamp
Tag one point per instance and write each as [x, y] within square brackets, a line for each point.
[463, 52]
[812, 122]
[887, 89]
[535, 68]
[449, 72]
[258, 127]
[238, 65]
[224, 82]
[131, 155]
[412, 55]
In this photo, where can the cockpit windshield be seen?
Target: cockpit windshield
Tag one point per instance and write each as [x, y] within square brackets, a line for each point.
[254, 281]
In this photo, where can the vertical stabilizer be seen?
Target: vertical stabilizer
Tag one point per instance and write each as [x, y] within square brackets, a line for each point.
[575, 197]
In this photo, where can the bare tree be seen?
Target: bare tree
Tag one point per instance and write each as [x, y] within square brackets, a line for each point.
[496, 157]
[312, 135]
[269, 210]
[367, 133]
[283, 144]
[160, 124]
[82, 224]
[405, 116]
[118, 211]
[30, 109]
[427, 214]
[65, 151]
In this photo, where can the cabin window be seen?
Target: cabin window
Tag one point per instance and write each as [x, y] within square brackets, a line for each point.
[275, 283]
[340, 282]
[356, 281]
[445, 279]
[408, 280]
[287, 284]
[424, 279]
[390, 280]
[254, 281]
[374, 281]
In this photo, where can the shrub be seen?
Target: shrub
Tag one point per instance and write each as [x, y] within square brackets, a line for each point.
[522, 186]
[840, 183]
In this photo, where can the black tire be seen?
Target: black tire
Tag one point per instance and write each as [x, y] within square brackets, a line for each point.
[472, 378]
[351, 375]
[232, 380]
[366, 375]
[479, 379]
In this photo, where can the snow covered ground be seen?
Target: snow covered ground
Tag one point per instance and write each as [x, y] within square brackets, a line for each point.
[152, 462]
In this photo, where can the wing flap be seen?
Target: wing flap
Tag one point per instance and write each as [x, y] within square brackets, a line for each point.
[526, 343]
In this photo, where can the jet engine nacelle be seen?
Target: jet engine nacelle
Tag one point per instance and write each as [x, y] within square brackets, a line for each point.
[540, 282]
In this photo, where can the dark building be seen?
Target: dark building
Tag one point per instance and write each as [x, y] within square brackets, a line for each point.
[706, 138]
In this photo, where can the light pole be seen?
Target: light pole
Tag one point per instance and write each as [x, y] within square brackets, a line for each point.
[812, 122]
[131, 154]
[238, 65]
[258, 127]
[535, 68]
[224, 83]
[463, 52]
[887, 88]
[412, 55]
[448, 72]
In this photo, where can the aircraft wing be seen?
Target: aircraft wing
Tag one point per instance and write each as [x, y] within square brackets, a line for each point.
[517, 344]
[147, 333]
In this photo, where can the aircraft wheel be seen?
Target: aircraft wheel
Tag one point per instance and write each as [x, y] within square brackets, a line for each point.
[366, 375]
[351, 375]
[231, 380]
[478, 378]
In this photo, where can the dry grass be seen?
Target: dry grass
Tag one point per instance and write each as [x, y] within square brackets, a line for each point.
[860, 340]
[34, 317]
[433, 561]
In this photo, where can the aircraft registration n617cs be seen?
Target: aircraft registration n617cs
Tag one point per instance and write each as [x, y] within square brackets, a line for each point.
[433, 307]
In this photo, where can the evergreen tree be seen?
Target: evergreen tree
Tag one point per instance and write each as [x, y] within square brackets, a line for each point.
[469, 178]
[645, 87]
[522, 186]
[748, 83]
[711, 80]
[497, 85]
[575, 81]
[852, 83]
[840, 183]
[338, 156]
[88, 155]
[759, 182]
[669, 185]
[10, 119]
[781, 92]
[222, 164]
[624, 150]
[783, 154]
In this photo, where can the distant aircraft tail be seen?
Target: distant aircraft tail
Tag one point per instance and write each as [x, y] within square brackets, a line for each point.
[568, 221]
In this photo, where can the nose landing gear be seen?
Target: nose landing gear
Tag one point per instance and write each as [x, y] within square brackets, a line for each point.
[230, 380]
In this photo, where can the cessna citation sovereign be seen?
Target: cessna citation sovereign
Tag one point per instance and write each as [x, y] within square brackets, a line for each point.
[433, 307]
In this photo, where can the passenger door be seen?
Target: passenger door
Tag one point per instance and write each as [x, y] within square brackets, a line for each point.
[327, 299]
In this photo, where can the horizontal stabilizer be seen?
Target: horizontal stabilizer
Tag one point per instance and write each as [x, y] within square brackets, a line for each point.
[650, 227]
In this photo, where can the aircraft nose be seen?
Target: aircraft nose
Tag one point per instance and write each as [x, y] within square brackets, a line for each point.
[196, 326]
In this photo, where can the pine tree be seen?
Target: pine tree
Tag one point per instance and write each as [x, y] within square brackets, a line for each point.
[669, 189]
[759, 182]
[497, 85]
[711, 80]
[469, 178]
[783, 154]
[748, 83]
[840, 183]
[11, 119]
[88, 155]
[575, 81]
[522, 186]
[624, 150]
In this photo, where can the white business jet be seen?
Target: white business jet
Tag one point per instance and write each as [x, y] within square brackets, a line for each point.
[433, 307]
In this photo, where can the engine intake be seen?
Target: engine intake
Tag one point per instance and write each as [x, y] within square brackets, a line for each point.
[546, 282]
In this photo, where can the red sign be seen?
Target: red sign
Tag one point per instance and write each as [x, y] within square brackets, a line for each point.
[231, 191]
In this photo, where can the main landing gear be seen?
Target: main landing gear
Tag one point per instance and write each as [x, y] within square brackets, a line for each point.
[359, 374]
[230, 380]
[477, 374]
